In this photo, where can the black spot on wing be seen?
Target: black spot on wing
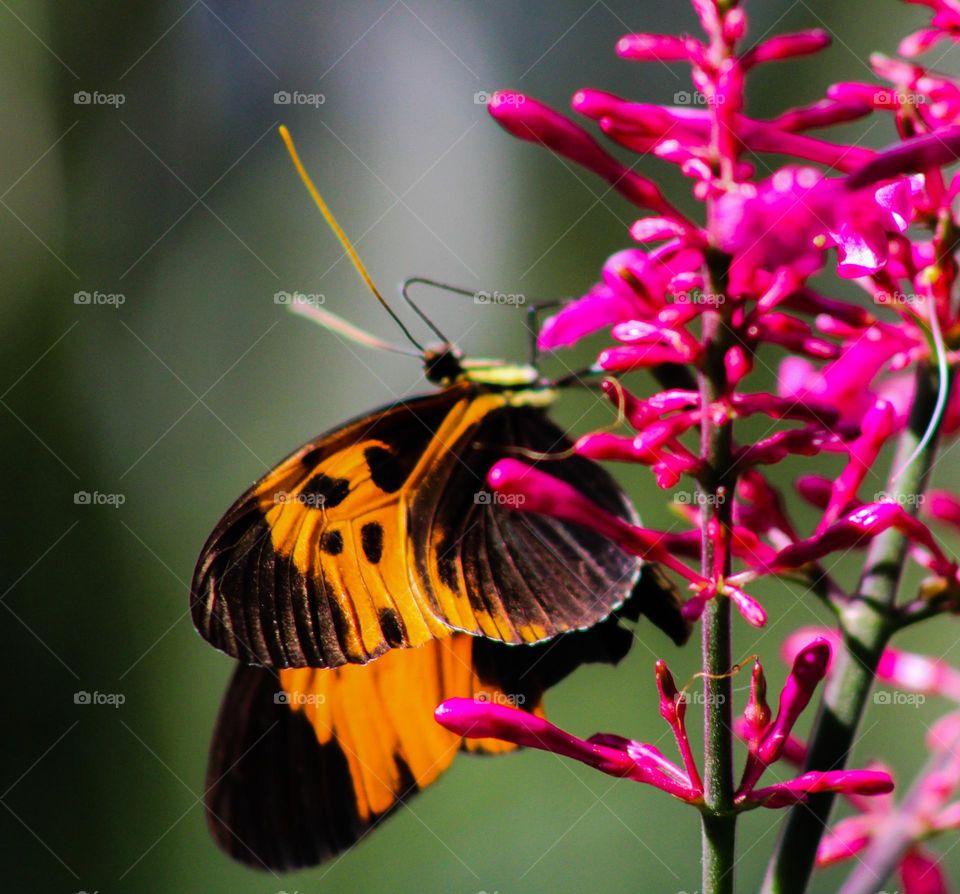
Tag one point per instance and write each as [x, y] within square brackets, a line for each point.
[331, 542]
[385, 469]
[371, 539]
[324, 492]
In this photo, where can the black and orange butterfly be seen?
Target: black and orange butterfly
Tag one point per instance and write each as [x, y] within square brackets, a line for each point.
[370, 576]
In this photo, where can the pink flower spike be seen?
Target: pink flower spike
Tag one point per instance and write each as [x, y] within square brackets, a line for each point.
[795, 791]
[482, 720]
[787, 46]
[652, 48]
[531, 120]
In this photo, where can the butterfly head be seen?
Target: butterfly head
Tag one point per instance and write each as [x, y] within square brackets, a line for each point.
[442, 364]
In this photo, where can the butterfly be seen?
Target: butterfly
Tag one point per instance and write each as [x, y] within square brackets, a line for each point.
[371, 575]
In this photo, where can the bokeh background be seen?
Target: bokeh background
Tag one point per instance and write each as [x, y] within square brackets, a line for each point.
[182, 202]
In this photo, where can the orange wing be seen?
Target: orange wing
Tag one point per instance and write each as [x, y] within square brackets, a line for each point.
[305, 762]
[381, 535]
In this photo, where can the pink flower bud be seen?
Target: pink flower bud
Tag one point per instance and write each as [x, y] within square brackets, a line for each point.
[533, 121]
[609, 754]
[652, 48]
[809, 668]
[824, 113]
[787, 46]
[860, 782]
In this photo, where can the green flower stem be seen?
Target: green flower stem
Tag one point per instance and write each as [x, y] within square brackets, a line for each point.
[717, 483]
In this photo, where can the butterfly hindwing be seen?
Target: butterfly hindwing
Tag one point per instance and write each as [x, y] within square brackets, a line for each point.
[381, 535]
[305, 762]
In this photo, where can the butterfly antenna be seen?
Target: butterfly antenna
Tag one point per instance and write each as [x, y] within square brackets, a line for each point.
[347, 329]
[341, 236]
[419, 280]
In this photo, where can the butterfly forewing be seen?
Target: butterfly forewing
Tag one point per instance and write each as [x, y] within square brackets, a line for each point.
[381, 535]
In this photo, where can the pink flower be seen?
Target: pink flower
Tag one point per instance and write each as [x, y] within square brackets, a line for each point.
[789, 219]
[644, 763]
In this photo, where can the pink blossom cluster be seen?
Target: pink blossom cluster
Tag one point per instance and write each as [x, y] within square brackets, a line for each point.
[703, 301]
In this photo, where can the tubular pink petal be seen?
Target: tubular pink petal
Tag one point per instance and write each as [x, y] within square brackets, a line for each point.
[787, 46]
[860, 782]
[652, 48]
[809, 668]
[824, 113]
[536, 122]
[918, 154]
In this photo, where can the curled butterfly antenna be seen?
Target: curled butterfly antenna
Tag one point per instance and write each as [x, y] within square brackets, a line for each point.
[341, 236]
[422, 281]
[347, 329]
[539, 456]
[703, 675]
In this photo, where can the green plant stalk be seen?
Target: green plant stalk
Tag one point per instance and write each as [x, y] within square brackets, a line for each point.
[867, 621]
[717, 483]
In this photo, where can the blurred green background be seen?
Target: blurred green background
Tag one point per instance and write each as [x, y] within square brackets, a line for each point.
[182, 201]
